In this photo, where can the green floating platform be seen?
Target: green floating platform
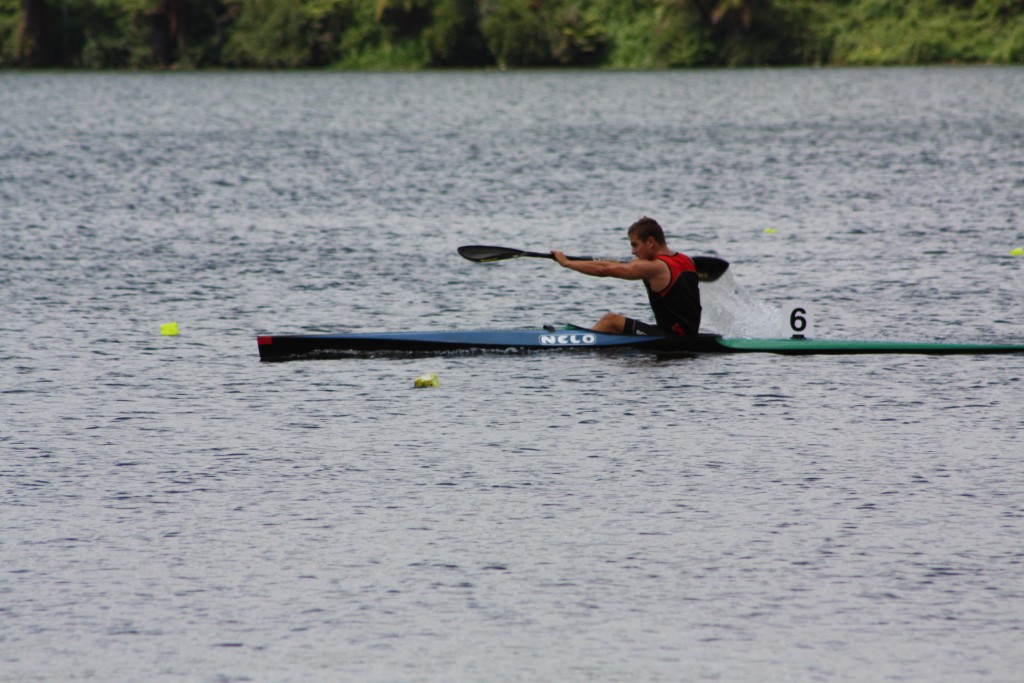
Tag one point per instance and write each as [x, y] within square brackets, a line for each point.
[799, 346]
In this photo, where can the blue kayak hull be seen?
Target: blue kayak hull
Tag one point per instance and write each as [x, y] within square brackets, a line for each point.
[286, 347]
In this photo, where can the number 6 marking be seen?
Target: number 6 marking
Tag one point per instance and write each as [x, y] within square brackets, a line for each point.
[797, 320]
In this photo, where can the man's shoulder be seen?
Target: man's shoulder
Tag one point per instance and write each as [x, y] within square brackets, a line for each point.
[678, 259]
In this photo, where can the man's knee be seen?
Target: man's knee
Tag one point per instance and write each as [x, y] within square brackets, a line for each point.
[611, 322]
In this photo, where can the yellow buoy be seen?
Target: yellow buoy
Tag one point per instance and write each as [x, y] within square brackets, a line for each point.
[169, 329]
[430, 380]
[1019, 251]
[770, 231]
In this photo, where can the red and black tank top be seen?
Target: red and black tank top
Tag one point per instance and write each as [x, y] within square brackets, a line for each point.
[677, 307]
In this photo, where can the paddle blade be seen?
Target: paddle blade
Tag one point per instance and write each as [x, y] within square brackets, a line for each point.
[709, 268]
[482, 254]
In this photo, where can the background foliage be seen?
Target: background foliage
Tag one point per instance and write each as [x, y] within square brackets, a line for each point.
[414, 34]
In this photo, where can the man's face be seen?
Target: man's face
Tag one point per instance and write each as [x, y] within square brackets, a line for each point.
[642, 249]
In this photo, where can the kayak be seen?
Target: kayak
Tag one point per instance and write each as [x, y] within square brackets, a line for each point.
[279, 347]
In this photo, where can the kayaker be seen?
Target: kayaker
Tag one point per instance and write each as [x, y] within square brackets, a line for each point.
[669, 277]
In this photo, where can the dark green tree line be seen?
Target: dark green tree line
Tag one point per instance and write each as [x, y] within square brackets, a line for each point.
[411, 34]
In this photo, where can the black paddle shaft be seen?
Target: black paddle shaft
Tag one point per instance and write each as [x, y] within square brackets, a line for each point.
[709, 268]
[484, 254]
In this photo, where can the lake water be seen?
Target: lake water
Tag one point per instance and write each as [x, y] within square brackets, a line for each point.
[172, 509]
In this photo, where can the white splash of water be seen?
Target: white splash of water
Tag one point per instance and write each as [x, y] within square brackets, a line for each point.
[732, 312]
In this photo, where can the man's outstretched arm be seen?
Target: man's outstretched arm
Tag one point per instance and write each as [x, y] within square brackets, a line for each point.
[637, 269]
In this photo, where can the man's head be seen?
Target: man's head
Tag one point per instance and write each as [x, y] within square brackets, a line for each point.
[646, 237]
[647, 227]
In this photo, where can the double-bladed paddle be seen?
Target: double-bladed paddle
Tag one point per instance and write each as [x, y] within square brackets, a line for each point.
[709, 268]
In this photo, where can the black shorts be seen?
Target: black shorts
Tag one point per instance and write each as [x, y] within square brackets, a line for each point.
[645, 329]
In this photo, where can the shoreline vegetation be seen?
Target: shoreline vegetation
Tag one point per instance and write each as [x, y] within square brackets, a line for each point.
[394, 35]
